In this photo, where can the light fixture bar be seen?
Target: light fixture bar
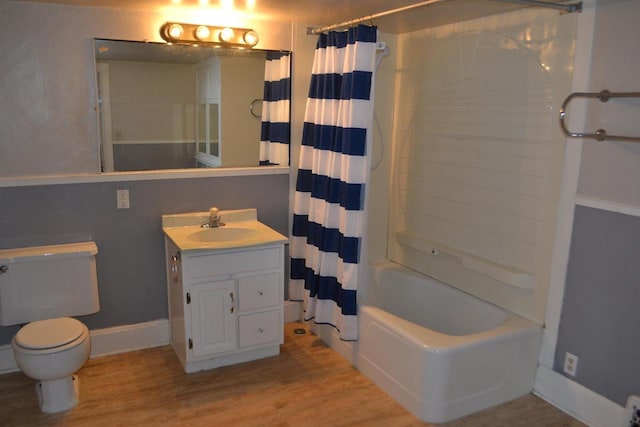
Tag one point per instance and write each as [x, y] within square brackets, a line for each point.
[175, 32]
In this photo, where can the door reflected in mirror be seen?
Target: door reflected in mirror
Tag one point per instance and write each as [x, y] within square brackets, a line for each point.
[176, 106]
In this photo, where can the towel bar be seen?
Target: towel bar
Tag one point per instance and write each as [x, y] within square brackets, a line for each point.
[600, 134]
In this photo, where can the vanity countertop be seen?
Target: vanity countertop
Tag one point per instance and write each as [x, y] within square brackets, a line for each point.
[241, 229]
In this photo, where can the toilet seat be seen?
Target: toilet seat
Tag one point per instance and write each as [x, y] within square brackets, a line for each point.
[49, 334]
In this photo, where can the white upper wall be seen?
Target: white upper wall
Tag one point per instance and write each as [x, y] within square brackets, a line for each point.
[48, 122]
[610, 171]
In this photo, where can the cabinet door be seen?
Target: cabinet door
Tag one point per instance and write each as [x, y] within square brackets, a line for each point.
[213, 317]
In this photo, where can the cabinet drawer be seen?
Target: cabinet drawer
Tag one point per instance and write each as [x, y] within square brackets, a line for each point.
[259, 291]
[260, 328]
[225, 263]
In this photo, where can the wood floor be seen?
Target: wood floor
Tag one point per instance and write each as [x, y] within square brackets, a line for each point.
[307, 385]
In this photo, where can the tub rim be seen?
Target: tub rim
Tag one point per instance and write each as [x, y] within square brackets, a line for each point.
[432, 340]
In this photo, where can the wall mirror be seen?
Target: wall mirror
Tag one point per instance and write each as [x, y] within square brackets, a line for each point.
[169, 106]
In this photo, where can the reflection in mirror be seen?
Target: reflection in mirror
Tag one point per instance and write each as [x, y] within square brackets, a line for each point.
[176, 106]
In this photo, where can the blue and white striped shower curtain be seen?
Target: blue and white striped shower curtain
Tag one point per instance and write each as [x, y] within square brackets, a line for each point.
[328, 213]
[275, 132]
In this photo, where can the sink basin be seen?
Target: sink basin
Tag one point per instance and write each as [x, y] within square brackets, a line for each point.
[223, 234]
[242, 230]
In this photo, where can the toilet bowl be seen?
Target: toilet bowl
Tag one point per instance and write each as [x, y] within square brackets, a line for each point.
[51, 351]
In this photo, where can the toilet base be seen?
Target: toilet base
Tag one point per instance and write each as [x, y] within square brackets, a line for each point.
[58, 395]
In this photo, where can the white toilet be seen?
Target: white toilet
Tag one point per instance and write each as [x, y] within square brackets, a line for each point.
[43, 285]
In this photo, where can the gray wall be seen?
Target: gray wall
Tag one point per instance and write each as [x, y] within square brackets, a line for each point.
[600, 313]
[130, 262]
[600, 317]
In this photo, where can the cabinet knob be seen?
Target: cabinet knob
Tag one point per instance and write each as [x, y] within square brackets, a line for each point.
[260, 292]
[4, 268]
[260, 330]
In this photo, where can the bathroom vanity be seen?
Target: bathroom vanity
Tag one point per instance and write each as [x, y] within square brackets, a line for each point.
[225, 289]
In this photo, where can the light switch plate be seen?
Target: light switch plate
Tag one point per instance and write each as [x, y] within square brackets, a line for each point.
[122, 197]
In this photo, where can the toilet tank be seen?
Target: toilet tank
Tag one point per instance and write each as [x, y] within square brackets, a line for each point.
[44, 282]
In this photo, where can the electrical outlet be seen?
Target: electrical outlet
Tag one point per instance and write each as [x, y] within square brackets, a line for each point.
[122, 198]
[632, 418]
[570, 364]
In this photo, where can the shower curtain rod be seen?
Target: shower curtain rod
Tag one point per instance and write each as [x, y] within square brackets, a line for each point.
[564, 8]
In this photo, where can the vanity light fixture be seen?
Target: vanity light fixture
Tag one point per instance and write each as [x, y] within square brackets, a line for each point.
[174, 32]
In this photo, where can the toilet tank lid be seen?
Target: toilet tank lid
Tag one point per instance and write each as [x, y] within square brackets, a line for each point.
[67, 250]
[49, 333]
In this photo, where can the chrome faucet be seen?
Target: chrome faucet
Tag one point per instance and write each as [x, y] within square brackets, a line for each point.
[214, 219]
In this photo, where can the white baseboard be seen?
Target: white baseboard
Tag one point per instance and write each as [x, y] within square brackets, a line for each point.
[119, 339]
[577, 400]
[7, 361]
[291, 311]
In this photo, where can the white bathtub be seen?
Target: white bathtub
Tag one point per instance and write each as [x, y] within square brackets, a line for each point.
[441, 353]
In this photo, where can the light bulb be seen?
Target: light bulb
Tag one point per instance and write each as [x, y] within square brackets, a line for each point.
[251, 38]
[202, 32]
[175, 31]
[227, 35]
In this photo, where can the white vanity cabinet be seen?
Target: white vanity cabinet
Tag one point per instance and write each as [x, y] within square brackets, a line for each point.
[225, 306]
